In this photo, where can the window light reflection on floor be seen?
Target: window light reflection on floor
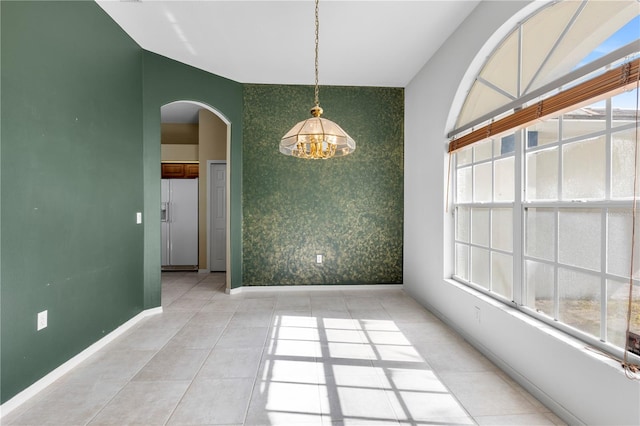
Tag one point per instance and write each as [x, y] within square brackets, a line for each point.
[356, 371]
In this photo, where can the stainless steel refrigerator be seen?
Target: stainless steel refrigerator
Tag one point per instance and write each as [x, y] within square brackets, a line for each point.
[179, 218]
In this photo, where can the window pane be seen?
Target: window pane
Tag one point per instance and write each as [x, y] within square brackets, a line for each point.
[617, 305]
[540, 232]
[502, 274]
[619, 230]
[480, 267]
[502, 229]
[542, 175]
[462, 261]
[480, 227]
[540, 284]
[579, 300]
[583, 121]
[462, 224]
[624, 108]
[504, 180]
[482, 150]
[464, 156]
[622, 163]
[463, 185]
[504, 145]
[482, 182]
[543, 133]
[583, 170]
[579, 238]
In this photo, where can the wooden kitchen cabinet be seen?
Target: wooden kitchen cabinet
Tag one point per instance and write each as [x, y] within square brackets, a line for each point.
[180, 170]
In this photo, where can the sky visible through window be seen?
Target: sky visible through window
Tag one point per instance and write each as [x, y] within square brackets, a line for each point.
[622, 37]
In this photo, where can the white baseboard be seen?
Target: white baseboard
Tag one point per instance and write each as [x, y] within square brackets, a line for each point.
[324, 287]
[54, 375]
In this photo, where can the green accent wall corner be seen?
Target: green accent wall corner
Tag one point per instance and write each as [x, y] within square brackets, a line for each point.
[348, 209]
[166, 81]
[71, 184]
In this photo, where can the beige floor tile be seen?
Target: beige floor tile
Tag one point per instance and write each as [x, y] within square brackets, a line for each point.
[110, 365]
[213, 401]
[220, 305]
[322, 357]
[457, 357]
[251, 319]
[293, 302]
[285, 404]
[173, 363]
[149, 403]
[144, 338]
[196, 336]
[231, 363]
[328, 303]
[370, 314]
[184, 304]
[486, 394]
[276, 369]
[73, 403]
[257, 305]
[428, 407]
[167, 321]
[243, 337]
[212, 319]
[360, 303]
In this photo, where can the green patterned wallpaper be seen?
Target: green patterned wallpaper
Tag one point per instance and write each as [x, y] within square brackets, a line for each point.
[348, 209]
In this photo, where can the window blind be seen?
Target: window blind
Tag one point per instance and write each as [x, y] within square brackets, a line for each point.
[617, 79]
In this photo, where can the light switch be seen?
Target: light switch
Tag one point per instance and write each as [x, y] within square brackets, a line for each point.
[139, 218]
[42, 320]
[318, 258]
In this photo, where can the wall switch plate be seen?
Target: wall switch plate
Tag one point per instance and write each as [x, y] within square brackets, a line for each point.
[319, 258]
[42, 320]
[138, 218]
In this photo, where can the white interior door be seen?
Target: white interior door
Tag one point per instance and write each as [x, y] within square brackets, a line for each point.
[218, 209]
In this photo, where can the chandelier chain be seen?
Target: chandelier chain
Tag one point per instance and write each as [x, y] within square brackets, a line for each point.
[317, 89]
[317, 138]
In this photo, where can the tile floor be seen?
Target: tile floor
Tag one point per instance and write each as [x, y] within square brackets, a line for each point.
[299, 357]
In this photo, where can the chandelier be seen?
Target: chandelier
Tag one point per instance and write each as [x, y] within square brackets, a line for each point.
[316, 137]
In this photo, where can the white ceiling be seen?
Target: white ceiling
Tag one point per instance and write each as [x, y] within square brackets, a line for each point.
[362, 42]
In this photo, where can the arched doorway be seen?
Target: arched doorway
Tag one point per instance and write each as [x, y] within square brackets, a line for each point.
[197, 134]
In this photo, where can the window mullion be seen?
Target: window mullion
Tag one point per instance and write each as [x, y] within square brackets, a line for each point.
[556, 285]
[605, 237]
[603, 275]
[608, 152]
[518, 218]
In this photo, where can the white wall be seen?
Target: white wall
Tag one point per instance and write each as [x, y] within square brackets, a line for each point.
[578, 385]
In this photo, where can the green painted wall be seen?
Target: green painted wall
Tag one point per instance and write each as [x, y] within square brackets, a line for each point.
[80, 155]
[71, 184]
[349, 209]
[167, 81]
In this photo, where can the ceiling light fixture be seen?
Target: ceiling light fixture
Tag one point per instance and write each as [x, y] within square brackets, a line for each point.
[316, 137]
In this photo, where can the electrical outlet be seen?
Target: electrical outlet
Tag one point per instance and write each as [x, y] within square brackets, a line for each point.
[42, 320]
[319, 258]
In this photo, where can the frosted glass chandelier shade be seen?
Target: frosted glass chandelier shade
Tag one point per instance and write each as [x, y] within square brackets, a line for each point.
[317, 138]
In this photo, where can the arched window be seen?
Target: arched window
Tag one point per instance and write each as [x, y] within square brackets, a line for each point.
[543, 180]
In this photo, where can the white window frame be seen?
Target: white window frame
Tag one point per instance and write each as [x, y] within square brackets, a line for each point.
[520, 205]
